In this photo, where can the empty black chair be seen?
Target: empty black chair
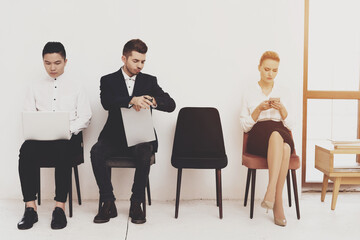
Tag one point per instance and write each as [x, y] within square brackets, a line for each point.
[199, 144]
[78, 158]
[128, 162]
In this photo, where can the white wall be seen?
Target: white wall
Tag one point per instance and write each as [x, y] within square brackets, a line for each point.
[203, 53]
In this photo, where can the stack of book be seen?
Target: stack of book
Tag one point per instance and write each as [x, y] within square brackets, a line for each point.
[346, 144]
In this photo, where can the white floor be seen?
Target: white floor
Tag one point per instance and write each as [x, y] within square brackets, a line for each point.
[198, 219]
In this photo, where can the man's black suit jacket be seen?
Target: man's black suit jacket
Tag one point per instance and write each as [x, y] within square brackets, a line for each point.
[114, 95]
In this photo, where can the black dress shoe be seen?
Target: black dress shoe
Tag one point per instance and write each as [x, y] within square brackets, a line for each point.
[107, 211]
[58, 219]
[30, 217]
[136, 213]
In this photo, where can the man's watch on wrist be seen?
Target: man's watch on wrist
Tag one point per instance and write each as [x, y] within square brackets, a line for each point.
[150, 99]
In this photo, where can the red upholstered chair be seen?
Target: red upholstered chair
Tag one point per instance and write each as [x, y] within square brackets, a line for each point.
[253, 162]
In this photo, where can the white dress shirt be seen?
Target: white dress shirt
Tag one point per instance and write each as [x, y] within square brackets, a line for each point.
[253, 96]
[129, 81]
[60, 94]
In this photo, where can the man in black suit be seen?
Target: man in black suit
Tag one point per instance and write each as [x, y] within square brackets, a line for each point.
[126, 88]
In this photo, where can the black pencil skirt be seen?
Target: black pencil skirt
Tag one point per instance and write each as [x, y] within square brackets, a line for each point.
[258, 140]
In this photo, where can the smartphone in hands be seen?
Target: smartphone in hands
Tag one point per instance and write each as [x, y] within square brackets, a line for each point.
[272, 100]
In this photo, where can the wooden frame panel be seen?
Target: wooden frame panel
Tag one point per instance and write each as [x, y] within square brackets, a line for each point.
[307, 94]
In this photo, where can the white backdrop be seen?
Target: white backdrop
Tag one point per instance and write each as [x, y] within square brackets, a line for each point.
[203, 52]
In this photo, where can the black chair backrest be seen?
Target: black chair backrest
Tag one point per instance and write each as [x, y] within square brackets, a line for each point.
[198, 133]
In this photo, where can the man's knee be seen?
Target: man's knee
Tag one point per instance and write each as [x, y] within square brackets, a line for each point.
[143, 152]
[96, 153]
[26, 150]
[143, 148]
[25, 147]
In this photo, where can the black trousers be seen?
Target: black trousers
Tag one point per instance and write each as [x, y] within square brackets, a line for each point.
[103, 150]
[34, 154]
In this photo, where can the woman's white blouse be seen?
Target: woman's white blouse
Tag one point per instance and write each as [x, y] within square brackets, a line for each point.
[253, 96]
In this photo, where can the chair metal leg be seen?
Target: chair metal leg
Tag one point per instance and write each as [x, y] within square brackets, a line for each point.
[109, 170]
[219, 195]
[178, 192]
[288, 184]
[293, 175]
[70, 196]
[39, 187]
[253, 180]
[148, 191]
[217, 187]
[247, 186]
[76, 174]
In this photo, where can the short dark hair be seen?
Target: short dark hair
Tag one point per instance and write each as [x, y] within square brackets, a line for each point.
[54, 47]
[134, 45]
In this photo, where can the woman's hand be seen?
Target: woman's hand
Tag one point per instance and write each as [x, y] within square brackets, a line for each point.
[265, 105]
[280, 107]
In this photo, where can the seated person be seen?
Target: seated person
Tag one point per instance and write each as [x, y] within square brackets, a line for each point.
[127, 87]
[55, 92]
[264, 115]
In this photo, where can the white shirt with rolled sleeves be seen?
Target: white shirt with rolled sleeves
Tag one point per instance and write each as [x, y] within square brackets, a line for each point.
[253, 96]
[60, 94]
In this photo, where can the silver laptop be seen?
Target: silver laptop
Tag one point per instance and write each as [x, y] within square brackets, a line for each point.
[46, 126]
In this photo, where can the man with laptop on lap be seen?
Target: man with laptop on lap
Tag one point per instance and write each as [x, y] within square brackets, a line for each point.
[56, 92]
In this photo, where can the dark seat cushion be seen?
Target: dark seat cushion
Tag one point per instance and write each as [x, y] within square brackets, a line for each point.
[200, 162]
[125, 162]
